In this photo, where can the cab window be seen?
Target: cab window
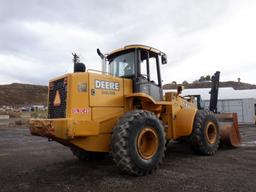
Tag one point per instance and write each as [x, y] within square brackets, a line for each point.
[148, 66]
[122, 65]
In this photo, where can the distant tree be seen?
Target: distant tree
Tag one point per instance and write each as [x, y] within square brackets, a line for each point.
[204, 78]
[185, 83]
[208, 78]
[201, 79]
[174, 82]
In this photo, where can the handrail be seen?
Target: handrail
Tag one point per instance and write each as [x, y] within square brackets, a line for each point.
[98, 71]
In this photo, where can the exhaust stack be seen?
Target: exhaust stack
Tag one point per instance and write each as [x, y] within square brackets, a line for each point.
[103, 61]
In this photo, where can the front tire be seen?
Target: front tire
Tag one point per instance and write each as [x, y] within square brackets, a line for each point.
[205, 137]
[138, 143]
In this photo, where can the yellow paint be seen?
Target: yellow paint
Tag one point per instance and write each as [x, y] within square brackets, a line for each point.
[49, 127]
[107, 117]
[100, 143]
[77, 100]
[211, 132]
[66, 128]
[179, 116]
[147, 143]
[127, 86]
[100, 97]
[147, 98]
[96, 101]
[176, 113]
[90, 118]
[85, 128]
[136, 47]
[184, 122]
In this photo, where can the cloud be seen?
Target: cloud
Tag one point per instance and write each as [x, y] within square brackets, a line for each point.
[227, 45]
[199, 36]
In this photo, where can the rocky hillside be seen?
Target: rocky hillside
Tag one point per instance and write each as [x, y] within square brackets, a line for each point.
[235, 85]
[25, 94]
[22, 94]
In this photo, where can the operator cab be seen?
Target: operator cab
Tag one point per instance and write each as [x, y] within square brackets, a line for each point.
[141, 64]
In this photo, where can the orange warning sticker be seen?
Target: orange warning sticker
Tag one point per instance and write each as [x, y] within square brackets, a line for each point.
[57, 100]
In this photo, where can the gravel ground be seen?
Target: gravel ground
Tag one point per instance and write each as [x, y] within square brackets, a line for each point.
[30, 163]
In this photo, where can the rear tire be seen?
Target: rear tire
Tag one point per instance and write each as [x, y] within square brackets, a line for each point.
[205, 137]
[87, 155]
[138, 143]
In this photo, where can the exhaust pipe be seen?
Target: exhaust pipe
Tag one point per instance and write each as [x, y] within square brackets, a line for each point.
[103, 61]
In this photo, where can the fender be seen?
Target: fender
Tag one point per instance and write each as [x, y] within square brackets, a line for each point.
[148, 103]
[184, 121]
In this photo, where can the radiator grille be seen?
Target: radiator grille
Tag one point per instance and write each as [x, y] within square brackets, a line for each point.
[57, 111]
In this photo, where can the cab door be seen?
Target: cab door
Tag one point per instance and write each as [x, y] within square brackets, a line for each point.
[149, 77]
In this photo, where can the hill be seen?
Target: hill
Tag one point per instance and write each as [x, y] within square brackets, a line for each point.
[207, 84]
[23, 94]
[16, 94]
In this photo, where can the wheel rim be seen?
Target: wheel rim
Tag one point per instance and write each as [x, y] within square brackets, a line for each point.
[147, 143]
[211, 133]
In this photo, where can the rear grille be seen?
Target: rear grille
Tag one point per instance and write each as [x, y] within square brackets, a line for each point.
[57, 111]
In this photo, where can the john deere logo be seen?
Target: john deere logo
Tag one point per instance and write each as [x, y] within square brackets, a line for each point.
[108, 85]
[57, 100]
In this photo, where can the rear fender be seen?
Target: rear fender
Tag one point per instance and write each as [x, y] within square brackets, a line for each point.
[184, 121]
[146, 102]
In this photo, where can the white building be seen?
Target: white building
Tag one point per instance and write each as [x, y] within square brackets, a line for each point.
[38, 108]
[243, 102]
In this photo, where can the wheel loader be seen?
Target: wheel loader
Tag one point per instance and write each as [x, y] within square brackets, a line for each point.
[121, 110]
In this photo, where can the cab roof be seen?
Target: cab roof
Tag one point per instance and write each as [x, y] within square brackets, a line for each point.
[127, 47]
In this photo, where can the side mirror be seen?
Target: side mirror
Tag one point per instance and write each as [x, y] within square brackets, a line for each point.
[164, 59]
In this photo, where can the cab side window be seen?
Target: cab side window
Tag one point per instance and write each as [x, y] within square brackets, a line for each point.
[153, 70]
[144, 65]
[148, 66]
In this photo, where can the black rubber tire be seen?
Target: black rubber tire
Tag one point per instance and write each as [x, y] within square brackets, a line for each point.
[124, 143]
[199, 142]
[87, 155]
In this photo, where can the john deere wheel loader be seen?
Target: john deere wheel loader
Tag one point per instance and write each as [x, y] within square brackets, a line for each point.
[121, 110]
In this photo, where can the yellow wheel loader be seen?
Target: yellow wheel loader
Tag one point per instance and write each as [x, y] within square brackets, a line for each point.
[121, 110]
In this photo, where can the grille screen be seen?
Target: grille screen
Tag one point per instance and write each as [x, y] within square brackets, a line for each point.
[57, 110]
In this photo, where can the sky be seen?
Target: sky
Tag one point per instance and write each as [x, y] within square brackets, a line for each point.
[199, 36]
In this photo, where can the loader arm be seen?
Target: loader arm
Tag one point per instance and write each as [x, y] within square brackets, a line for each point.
[228, 123]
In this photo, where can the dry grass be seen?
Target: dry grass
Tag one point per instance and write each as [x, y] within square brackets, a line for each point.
[11, 114]
[39, 114]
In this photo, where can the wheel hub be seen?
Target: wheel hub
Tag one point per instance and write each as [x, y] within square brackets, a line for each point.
[211, 133]
[147, 143]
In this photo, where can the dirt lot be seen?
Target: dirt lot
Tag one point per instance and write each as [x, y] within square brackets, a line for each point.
[30, 163]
